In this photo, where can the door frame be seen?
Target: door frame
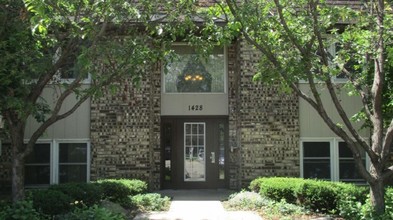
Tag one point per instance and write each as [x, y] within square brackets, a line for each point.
[176, 146]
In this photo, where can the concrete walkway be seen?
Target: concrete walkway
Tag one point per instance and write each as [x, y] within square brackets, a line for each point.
[198, 205]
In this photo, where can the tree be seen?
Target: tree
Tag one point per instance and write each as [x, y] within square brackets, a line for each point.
[293, 37]
[42, 42]
[110, 42]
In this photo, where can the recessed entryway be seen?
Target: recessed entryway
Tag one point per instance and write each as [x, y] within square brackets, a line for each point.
[194, 152]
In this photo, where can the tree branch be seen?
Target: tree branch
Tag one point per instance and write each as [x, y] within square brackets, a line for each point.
[287, 31]
[388, 141]
[388, 173]
[346, 121]
[377, 87]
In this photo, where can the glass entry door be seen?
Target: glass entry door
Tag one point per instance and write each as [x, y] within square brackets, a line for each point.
[193, 152]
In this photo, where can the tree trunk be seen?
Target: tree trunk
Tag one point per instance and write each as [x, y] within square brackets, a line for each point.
[18, 189]
[377, 192]
[18, 161]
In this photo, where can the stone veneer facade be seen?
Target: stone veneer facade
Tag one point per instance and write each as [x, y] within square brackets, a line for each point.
[125, 128]
[263, 127]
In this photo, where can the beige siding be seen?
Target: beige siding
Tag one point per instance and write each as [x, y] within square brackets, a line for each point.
[206, 104]
[75, 126]
[311, 124]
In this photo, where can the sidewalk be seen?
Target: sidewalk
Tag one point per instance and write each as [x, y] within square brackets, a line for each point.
[198, 205]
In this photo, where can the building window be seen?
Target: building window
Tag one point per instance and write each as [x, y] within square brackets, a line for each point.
[347, 167]
[194, 152]
[329, 159]
[335, 57]
[37, 165]
[316, 160]
[72, 162]
[189, 72]
[70, 70]
[57, 162]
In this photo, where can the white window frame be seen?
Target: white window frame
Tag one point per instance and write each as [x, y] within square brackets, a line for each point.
[57, 155]
[225, 54]
[302, 154]
[204, 149]
[50, 142]
[54, 157]
[334, 156]
[336, 147]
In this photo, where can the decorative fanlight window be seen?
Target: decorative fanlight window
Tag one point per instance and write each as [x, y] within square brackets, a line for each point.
[191, 73]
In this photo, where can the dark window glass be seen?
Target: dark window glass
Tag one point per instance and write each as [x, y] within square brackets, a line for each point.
[316, 149]
[40, 154]
[37, 166]
[72, 173]
[72, 162]
[316, 169]
[347, 167]
[316, 163]
[37, 175]
[72, 153]
[344, 151]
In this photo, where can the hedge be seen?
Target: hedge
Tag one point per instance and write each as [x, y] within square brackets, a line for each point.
[317, 195]
[118, 190]
[51, 202]
[81, 193]
[64, 198]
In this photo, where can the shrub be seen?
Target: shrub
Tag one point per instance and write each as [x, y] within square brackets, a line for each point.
[247, 201]
[351, 208]
[51, 202]
[318, 195]
[277, 188]
[150, 202]
[271, 209]
[22, 210]
[389, 201]
[118, 190]
[93, 212]
[255, 185]
[285, 208]
[84, 193]
[351, 198]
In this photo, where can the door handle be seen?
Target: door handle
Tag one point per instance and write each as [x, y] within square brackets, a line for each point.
[213, 157]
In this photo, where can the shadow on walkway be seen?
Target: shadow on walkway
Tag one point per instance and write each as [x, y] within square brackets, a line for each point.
[197, 194]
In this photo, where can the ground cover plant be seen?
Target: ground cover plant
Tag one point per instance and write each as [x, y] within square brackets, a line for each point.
[108, 199]
[266, 207]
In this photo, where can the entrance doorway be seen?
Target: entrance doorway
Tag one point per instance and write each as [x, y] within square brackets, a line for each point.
[194, 152]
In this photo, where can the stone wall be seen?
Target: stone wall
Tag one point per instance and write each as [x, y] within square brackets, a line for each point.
[268, 124]
[125, 128]
[234, 165]
[263, 127]
[125, 132]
